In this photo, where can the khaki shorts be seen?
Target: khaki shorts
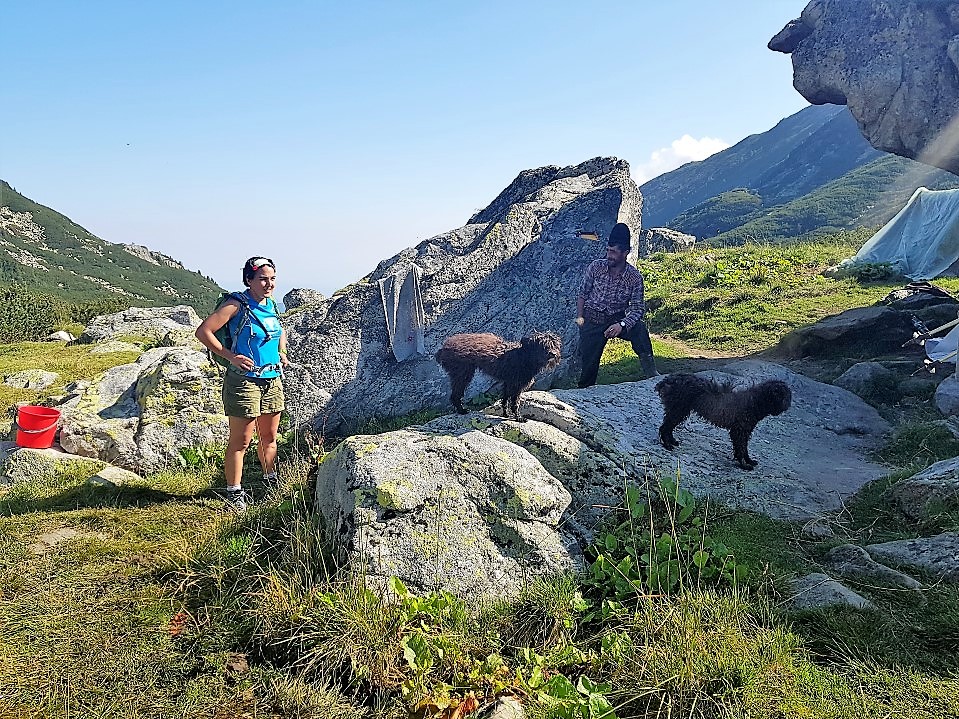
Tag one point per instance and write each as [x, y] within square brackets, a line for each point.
[251, 396]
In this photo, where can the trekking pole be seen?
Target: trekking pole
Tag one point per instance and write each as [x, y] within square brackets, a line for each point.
[920, 337]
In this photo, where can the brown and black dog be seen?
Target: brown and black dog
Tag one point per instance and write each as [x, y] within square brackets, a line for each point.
[514, 364]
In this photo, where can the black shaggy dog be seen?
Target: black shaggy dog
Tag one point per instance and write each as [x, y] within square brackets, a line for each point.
[515, 364]
[738, 410]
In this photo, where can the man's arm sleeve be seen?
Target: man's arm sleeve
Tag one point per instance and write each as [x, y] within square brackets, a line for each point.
[587, 284]
[636, 308]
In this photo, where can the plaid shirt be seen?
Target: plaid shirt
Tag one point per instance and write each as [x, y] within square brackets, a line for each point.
[609, 296]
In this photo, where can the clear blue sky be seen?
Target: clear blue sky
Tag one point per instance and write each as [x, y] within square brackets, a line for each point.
[330, 136]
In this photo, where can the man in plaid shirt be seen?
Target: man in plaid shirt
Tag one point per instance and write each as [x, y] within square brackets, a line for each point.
[611, 304]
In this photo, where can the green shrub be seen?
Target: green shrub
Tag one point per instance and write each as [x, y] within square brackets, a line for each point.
[28, 315]
[656, 543]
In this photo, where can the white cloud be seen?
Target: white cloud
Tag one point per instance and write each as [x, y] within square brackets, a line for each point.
[679, 152]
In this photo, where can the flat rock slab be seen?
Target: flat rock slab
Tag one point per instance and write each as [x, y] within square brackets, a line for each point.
[815, 591]
[810, 458]
[48, 540]
[938, 555]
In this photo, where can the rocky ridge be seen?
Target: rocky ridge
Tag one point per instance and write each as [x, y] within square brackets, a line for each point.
[892, 63]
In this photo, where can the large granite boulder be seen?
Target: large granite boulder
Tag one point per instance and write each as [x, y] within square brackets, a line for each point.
[300, 297]
[139, 415]
[507, 500]
[151, 324]
[515, 267]
[895, 63]
[663, 239]
[861, 331]
[472, 514]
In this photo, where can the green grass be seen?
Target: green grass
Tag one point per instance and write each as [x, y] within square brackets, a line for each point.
[745, 299]
[72, 363]
[161, 605]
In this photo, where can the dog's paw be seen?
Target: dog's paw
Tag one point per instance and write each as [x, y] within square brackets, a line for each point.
[462, 410]
[746, 463]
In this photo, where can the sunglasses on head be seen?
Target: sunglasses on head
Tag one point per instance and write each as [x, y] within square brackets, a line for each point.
[261, 262]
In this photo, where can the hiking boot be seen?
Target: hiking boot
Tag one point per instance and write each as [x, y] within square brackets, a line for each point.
[649, 366]
[236, 500]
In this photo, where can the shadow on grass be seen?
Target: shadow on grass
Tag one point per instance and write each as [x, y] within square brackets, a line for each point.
[17, 501]
[904, 631]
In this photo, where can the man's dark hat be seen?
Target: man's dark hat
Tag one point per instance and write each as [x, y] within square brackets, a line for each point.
[619, 236]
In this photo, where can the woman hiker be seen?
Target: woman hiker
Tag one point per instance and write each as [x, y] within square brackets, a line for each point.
[252, 385]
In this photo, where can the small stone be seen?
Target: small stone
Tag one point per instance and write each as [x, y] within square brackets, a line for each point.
[854, 563]
[820, 590]
[817, 530]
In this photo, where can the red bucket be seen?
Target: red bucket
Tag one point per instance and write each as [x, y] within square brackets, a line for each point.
[36, 426]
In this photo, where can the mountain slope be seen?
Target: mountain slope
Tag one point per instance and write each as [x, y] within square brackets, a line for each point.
[50, 253]
[868, 196]
[802, 152]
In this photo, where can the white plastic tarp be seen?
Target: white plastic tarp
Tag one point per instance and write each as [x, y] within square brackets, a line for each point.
[922, 240]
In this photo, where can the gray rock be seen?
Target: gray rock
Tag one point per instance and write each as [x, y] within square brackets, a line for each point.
[139, 415]
[111, 476]
[950, 424]
[857, 331]
[947, 396]
[893, 62]
[31, 379]
[663, 239]
[59, 336]
[141, 322]
[938, 555]
[513, 268]
[592, 478]
[558, 473]
[854, 563]
[816, 530]
[929, 492]
[301, 297]
[867, 379]
[185, 337]
[473, 514]
[815, 591]
[25, 464]
[795, 479]
[111, 346]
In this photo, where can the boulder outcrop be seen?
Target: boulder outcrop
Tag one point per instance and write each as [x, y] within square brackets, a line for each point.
[892, 62]
[515, 267]
[139, 415]
[518, 499]
[144, 323]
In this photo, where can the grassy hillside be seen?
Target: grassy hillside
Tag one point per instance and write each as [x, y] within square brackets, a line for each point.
[866, 197]
[47, 252]
[154, 603]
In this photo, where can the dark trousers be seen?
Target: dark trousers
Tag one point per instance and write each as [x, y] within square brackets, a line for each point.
[592, 342]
